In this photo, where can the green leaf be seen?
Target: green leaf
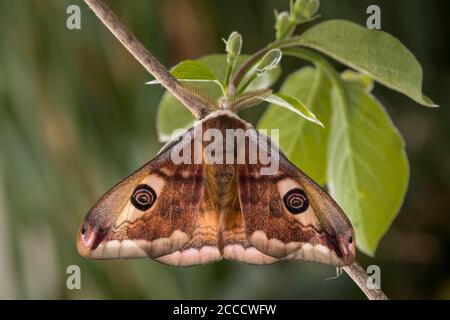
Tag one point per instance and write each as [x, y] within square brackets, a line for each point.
[304, 144]
[374, 52]
[367, 165]
[173, 115]
[294, 105]
[269, 61]
[192, 70]
[363, 81]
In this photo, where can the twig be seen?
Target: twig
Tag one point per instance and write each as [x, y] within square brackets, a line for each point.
[359, 276]
[237, 78]
[145, 58]
[156, 69]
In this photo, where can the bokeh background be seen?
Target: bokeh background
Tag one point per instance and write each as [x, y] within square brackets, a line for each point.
[76, 117]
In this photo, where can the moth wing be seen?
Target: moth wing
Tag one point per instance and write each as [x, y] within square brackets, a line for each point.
[153, 213]
[236, 245]
[202, 247]
[288, 216]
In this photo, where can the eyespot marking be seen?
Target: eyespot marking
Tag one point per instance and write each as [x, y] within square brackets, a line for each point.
[296, 201]
[143, 197]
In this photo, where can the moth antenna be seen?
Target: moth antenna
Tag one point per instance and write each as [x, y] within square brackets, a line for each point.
[338, 274]
[249, 99]
[200, 98]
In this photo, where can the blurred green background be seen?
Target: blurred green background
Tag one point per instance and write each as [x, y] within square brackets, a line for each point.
[76, 117]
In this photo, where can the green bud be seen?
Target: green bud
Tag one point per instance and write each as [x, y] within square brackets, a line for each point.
[270, 61]
[233, 46]
[304, 10]
[282, 23]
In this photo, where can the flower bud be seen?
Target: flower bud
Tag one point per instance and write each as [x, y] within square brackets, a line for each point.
[282, 23]
[304, 10]
[270, 61]
[233, 46]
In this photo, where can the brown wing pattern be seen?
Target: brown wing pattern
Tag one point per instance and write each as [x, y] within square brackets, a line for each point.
[289, 217]
[154, 212]
[188, 214]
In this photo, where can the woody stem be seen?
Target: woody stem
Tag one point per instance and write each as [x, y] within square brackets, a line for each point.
[359, 276]
[143, 56]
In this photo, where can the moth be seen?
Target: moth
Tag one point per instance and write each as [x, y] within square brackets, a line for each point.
[185, 214]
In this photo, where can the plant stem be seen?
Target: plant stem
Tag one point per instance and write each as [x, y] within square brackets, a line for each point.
[242, 72]
[289, 30]
[145, 58]
[228, 74]
[359, 276]
[249, 81]
[237, 78]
